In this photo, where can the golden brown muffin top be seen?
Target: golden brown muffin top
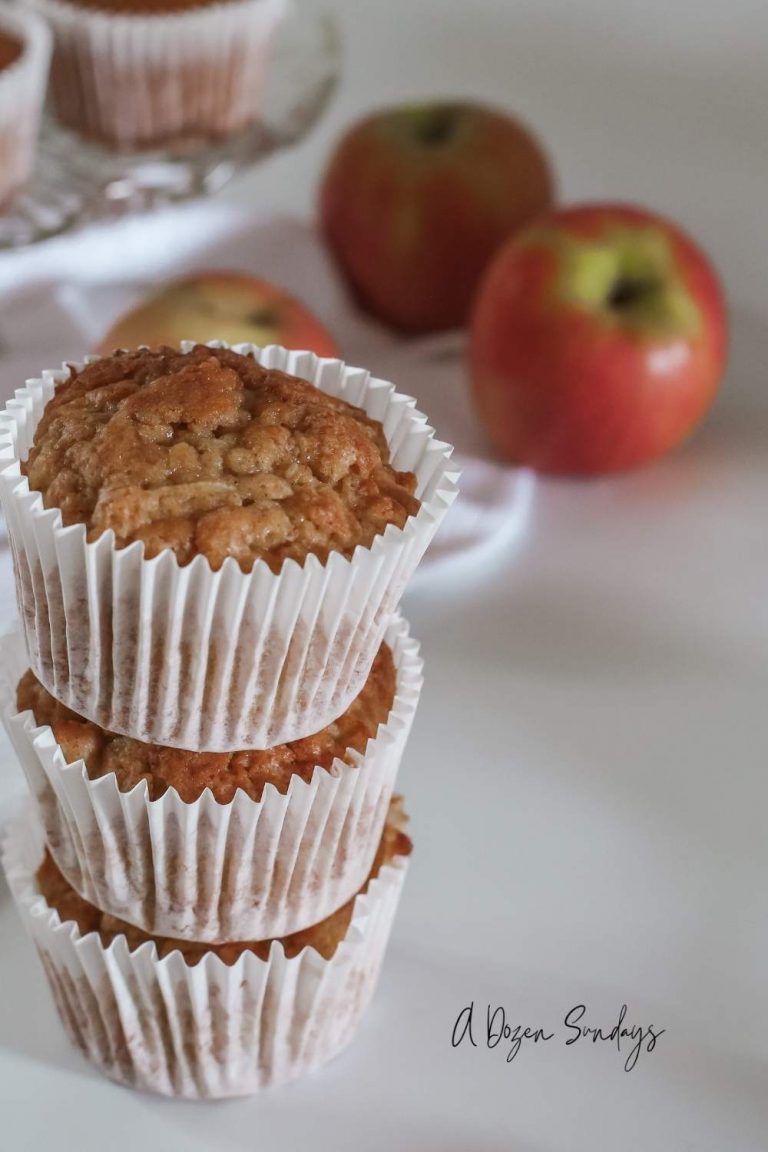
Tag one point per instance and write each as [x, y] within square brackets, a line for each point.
[207, 453]
[190, 773]
[324, 937]
[10, 50]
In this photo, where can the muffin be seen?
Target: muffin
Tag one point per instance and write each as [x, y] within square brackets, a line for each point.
[219, 846]
[223, 773]
[170, 74]
[324, 937]
[25, 48]
[208, 453]
[197, 1021]
[209, 543]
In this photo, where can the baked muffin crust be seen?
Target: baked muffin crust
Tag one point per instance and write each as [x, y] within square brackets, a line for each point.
[324, 937]
[190, 773]
[206, 452]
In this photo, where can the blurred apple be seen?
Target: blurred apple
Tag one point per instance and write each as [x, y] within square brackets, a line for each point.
[226, 306]
[418, 198]
[598, 341]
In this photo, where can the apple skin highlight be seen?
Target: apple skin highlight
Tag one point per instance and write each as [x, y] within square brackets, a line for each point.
[598, 341]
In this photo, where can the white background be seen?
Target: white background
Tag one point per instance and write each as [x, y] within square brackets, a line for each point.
[587, 772]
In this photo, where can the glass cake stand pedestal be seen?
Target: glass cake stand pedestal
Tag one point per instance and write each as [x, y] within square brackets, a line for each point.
[76, 182]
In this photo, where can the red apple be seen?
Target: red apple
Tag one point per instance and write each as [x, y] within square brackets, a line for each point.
[226, 306]
[598, 341]
[416, 201]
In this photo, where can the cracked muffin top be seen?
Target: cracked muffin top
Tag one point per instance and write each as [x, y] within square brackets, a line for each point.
[190, 773]
[207, 453]
[324, 937]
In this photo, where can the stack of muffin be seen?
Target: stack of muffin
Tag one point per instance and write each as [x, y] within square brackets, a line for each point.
[215, 691]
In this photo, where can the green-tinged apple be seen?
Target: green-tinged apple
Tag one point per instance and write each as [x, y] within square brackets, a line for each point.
[228, 306]
[418, 198]
[598, 341]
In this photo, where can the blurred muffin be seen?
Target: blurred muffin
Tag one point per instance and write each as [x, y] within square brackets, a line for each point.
[10, 50]
[206, 452]
[25, 48]
[138, 74]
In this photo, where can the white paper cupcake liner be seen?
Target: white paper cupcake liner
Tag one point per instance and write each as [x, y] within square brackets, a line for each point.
[210, 1030]
[214, 661]
[214, 872]
[22, 91]
[138, 80]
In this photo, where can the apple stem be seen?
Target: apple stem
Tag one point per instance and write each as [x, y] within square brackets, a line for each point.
[435, 126]
[625, 293]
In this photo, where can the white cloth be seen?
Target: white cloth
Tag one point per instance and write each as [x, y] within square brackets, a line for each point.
[59, 298]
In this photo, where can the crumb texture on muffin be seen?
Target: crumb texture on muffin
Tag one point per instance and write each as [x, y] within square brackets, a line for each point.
[324, 937]
[207, 453]
[190, 773]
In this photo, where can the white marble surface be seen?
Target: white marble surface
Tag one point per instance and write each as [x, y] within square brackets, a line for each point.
[587, 773]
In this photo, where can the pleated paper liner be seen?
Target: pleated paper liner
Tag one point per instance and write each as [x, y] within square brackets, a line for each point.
[246, 870]
[214, 661]
[210, 1030]
[22, 91]
[137, 80]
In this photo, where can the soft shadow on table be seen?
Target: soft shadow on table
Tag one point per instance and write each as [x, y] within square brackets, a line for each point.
[378, 1133]
[381, 1109]
[400, 1085]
